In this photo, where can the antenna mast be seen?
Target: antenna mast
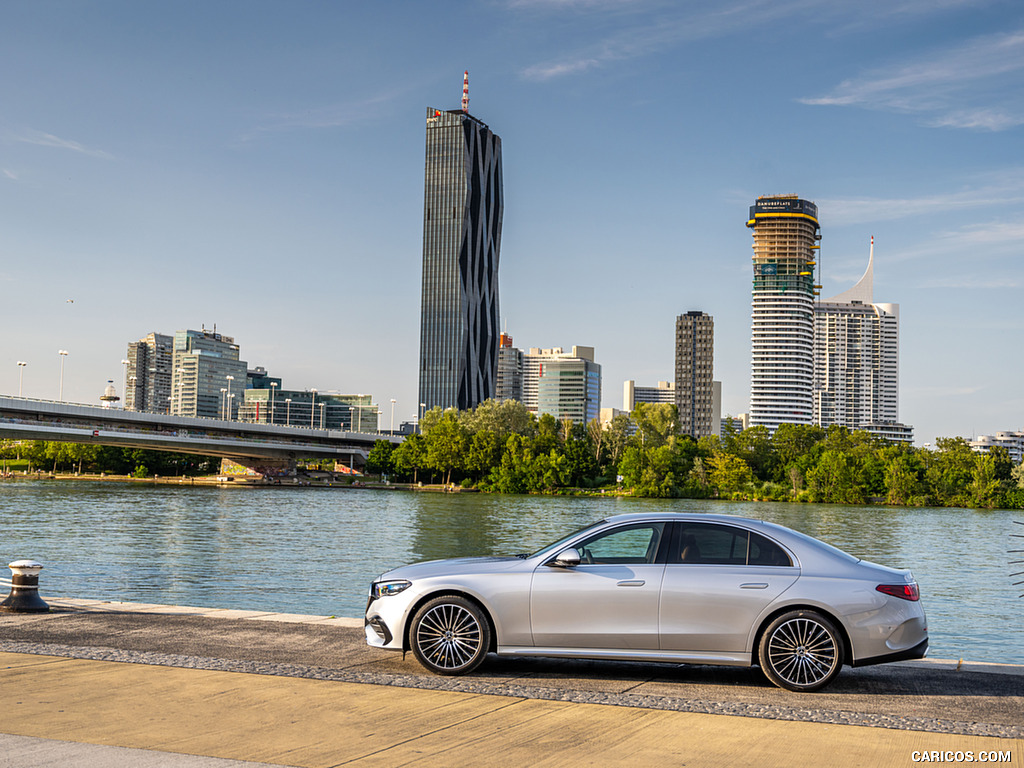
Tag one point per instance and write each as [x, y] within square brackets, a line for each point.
[465, 92]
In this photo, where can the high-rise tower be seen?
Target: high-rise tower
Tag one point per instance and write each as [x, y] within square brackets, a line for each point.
[462, 213]
[786, 233]
[695, 358]
[856, 361]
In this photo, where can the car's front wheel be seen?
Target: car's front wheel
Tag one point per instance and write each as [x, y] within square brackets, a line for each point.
[801, 651]
[450, 635]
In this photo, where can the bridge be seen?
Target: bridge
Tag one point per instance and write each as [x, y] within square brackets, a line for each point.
[264, 448]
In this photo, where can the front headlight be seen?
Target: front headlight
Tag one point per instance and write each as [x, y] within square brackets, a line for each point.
[387, 588]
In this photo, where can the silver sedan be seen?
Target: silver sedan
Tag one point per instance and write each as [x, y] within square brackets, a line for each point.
[690, 588]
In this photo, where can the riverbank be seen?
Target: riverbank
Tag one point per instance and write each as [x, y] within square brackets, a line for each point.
[307, 691]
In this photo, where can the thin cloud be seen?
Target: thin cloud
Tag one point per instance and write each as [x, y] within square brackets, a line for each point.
[950, 85]
[864, 210]
[942, 391]
[660, 26]
[10, 174]
[970, 282]
[41, 139]
[355, 112]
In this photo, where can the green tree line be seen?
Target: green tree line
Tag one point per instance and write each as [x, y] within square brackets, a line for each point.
[84, 457]
[500, 447]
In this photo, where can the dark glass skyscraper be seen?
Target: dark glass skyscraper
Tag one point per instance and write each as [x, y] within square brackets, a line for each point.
[462, 211]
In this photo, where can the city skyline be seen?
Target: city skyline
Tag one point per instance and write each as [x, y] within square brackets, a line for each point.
[259, 167]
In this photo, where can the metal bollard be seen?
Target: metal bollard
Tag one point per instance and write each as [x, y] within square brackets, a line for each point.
[24, 597]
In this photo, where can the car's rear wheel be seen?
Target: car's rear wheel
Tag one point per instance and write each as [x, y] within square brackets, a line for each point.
[450, 635]
[801, 651]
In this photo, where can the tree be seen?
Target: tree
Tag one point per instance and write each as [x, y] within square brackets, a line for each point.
[901, 480]
[754, 446]
[431, 418]
[728, 473]
[579, 455]
[984, 486]
[834, 479]
[951, 471]
[791, 441]
[617, 437]
[512, 475]
[410, 456]
[655, 423]
[503, 418]
[379, 461]
[547, 434]
[485, 449]
[447, 445]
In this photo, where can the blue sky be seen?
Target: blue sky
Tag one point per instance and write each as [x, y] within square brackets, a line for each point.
[259, 166]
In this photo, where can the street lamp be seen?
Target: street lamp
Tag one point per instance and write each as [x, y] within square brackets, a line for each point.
[393, 401]
[273, 389]
[288, 412]
[21, 374]
[125, 364]
[322, 404]
[311, 409]
[181, 381]
[231, 406]
[230, 378]
[418, 427]
[223, 401]
[63, 353]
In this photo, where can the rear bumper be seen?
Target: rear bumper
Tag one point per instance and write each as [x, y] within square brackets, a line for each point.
[917, 652]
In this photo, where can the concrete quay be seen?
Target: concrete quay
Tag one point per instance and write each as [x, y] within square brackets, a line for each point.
[100, 683]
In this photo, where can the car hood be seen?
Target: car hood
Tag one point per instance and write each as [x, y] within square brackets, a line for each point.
[452, 567]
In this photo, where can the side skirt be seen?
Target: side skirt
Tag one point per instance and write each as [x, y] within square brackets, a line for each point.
[615, 654]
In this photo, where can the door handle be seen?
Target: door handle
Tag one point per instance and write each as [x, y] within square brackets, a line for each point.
[636, 583]
[752, 585]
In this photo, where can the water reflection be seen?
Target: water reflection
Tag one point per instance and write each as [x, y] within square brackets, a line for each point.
[316, 550]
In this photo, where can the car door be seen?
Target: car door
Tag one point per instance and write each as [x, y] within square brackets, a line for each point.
[610, 600]
[718, 580]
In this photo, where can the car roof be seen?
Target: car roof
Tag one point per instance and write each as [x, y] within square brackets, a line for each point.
[702, 516]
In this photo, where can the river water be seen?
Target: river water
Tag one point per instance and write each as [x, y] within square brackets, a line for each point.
[315, 551]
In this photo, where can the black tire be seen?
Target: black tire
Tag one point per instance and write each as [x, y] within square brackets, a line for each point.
[801, 651]
[450, 635]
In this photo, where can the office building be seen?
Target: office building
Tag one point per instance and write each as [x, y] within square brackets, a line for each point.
[695, 364]
[462, 217]
[309, 408]
[856, 361]
[566, 385]
[148, 376]
[665, 392]
[733, 424]
[1013, 442]
[786, 233]
[509, 384]
[208, 379]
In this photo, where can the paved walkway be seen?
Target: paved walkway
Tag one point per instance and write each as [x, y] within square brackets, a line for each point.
[173, 711]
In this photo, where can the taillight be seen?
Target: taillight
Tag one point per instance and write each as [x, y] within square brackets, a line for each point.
[902, 591]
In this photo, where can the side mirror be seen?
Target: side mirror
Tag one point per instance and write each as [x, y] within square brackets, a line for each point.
[568, 558]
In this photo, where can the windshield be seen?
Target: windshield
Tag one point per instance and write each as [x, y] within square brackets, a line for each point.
[552, 548]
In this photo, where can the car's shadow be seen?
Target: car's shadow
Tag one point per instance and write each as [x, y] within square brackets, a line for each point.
[686, 679]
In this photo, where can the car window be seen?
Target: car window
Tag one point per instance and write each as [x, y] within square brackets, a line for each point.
[557, 545]
[709, 544]
[704, 543]
[766, 552]
[623, 546]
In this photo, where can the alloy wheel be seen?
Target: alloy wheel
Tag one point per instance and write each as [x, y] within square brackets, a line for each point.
[801, 651]
[450, 636]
